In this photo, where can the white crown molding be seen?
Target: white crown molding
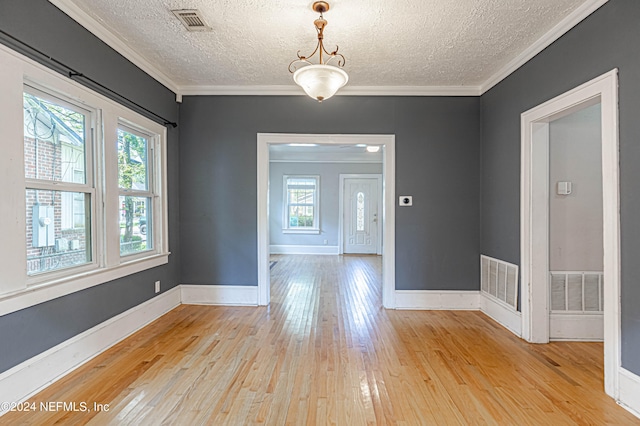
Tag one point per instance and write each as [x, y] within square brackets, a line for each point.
[293, 90]
[573, 19]
[100, 31]
[410, 91]
[274, 90]
[97, 29]
[327, 161]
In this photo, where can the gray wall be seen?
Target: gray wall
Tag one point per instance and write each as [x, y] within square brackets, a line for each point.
[437, 151]
[45, 27]
[437, 241]
[575, 220]
[30, 331]
[605, 40]
[329, 199]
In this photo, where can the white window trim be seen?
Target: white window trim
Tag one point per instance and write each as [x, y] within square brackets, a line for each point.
[301, 231]
[153, 148]
[16, 290]
[92, 140]
[315, 229]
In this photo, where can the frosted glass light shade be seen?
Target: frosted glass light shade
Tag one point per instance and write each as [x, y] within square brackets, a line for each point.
[320, 81]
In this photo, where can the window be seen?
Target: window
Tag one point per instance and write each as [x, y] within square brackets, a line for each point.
[65, 191]
[301, 204]
[360, 212]
[94, 203]
[135, 191]
[59, 183]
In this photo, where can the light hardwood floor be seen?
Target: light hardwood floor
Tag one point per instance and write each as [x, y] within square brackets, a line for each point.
[325, 352]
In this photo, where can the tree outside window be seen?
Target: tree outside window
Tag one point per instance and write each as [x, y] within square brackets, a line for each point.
[135, 191]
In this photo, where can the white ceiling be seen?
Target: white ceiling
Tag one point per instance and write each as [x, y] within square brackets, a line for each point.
[455, 46]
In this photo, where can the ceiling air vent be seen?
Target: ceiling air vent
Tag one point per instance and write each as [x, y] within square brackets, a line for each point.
[191, 19]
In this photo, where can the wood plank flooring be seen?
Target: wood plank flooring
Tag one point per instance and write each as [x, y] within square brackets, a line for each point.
[326, 353]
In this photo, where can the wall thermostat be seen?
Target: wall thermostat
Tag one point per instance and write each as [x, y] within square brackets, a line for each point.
[406, 200]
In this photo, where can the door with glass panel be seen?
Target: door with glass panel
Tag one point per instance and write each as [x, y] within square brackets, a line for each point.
[360, 220]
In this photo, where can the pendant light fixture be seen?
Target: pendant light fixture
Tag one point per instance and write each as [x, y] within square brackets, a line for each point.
[320, 81]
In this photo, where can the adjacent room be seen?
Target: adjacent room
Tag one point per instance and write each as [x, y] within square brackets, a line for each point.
[215, 215]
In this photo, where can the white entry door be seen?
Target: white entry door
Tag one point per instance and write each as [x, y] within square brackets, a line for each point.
[361, 216]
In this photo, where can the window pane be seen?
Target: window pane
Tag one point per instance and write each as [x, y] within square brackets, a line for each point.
[301, 183]
[299, 196]
[58, 232]
[301, 199]
[54, 141]
[132, 161]
[360, 212]
[135, 225]
[300, 217]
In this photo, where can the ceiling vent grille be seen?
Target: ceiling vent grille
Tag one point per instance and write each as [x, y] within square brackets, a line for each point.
[191, 19]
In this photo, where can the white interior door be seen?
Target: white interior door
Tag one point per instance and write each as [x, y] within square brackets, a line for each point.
[361, 216]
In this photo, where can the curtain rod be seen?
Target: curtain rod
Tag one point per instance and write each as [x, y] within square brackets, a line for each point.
[74, 75]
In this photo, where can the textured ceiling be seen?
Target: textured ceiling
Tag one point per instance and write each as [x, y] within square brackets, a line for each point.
[386, 43]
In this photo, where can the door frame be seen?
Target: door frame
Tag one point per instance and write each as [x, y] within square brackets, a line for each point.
[388, 143]
[534, 223]
[344, 176]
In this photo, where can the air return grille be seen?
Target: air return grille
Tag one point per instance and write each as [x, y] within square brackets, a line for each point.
[576, 291]
[191, 19]
[500, 280]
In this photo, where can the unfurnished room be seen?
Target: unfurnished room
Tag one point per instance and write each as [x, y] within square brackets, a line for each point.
[320, 212]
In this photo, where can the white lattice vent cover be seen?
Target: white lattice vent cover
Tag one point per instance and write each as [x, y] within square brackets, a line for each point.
[576, 291]
[499, 279]
[191, 19]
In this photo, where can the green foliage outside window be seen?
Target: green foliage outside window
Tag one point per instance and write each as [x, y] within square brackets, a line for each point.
[132, 175]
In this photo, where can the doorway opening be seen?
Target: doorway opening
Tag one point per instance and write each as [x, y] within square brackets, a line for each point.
[536, 269]
[387, 215]
[574, 183]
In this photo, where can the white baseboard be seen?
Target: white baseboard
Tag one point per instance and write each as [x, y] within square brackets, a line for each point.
[437, 300]
[283, 249]
[26, 379]
[219, 295]
[576, 327]
[629, 391]
[501, 313]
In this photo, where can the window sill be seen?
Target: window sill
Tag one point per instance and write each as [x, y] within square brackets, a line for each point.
[49, 290]
[301, 231]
